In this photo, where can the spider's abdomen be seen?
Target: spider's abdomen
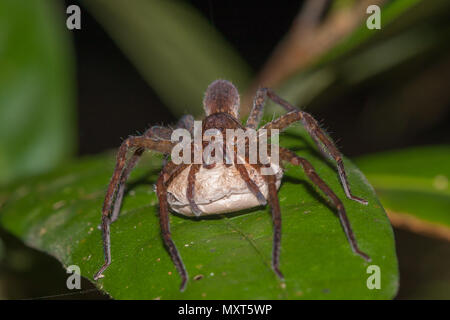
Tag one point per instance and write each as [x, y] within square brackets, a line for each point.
[218, 190]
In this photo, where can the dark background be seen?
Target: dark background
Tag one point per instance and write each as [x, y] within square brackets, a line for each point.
[110, 88]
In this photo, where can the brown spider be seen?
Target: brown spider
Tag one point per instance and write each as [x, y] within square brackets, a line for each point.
[192, 189]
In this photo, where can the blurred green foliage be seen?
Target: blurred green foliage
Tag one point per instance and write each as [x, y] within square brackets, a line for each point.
[410, 28]
[412, 181]
[37, 119]
[176, 50]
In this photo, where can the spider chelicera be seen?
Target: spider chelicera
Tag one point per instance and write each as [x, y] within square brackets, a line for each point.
[199, 189]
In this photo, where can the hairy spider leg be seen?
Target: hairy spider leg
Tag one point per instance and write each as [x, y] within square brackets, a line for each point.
[276, 219]
[156, 132]
[289, 156]
[130, 143]
[324, 143]
[159, 133]
[185, 122]
[252, 186]
[190, 191]
[161, 190]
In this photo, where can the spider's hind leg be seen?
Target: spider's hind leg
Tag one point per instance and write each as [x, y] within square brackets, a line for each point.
[291, 157]
[276, 218]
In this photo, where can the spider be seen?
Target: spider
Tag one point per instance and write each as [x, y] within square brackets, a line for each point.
[200, 189]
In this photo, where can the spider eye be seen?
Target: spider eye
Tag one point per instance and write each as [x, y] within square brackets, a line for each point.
[221, 96]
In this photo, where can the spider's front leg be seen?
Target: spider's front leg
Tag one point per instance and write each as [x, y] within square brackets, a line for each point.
[161, 190]
[140, 142]
[326, 146]
[291, 157]
[157, 133]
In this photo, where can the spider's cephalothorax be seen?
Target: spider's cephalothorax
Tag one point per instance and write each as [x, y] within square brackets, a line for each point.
[205, 188]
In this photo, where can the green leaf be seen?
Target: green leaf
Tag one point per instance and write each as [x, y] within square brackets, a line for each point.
[59, 212]
[413, 181]
[36, 89]
[175, 49]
